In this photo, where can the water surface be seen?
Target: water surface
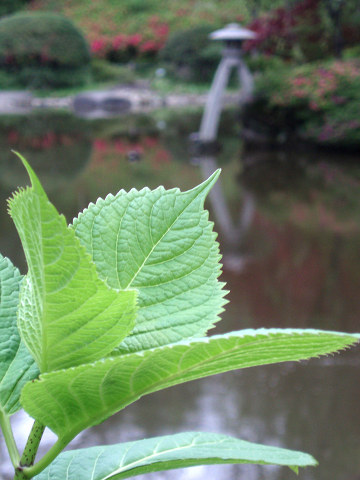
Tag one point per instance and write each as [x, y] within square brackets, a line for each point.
[289, 231]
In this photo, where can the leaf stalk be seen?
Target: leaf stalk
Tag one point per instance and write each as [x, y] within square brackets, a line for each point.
[9, 439]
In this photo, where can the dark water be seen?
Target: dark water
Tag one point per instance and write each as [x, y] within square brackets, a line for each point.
[289, 228]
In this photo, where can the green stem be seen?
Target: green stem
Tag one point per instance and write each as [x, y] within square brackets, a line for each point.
[32, 444]
[19, 474]
[49, 456]
[30, 451]
[9, 438]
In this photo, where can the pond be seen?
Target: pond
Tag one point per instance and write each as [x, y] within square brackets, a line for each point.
[289, 230]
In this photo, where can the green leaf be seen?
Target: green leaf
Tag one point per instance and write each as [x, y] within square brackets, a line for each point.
[126, 460]
[16, 364]
[161, 243]
[67, 315]
[71, 400]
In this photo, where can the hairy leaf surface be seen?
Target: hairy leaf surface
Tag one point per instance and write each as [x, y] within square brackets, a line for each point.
[161, 243]
[67, 315]
[71, 400]
[126, 460]
[16, 364]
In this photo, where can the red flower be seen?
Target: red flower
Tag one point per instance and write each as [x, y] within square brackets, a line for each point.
[162, 29]
[100, 145]
[119, 42]
[121, 147]
[134, 40]
[149, 46]
[98, 45]
[313, 105]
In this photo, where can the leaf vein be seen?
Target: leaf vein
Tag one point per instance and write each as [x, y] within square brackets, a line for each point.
[160, 239]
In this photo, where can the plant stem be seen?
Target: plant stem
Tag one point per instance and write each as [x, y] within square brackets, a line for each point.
[30, 450]
[32, 444]
[9, 439]
[19, 474]
[49, 456]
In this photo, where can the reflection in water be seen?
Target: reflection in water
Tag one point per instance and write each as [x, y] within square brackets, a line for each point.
[294, 234]
[232, 233]
[57, 146]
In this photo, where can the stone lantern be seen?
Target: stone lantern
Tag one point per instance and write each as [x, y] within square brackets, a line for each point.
[233, 35]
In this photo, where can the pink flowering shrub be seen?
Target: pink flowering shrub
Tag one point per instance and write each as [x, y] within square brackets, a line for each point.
[323, 97]
[122, 47]
[319, 86]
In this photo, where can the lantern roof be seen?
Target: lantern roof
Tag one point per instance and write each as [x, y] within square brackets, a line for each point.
[233, 31]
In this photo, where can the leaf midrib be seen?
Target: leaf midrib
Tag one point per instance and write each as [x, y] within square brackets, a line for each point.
[132, 465]
[40, 293]
[163, 235]
[142, 392]
[134, 396]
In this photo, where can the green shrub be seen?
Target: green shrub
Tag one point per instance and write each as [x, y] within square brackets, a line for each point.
[352, 52]
[260, 62]
[135, 7]
[191, 54]
[10, 6]
[103, 71]
[42, 50]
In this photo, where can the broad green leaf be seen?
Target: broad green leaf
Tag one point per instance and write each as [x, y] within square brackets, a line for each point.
[126, 460]
[67, 315]
[16, 364]
[71, 400]
[161, 243]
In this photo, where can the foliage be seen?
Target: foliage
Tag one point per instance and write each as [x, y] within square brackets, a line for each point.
[125, 47]
[322, 99]
[305, 30]
[191, 54]
[47, 51]
[290, 32]
[351, 23]
[108, 22]
[352, 52]
[261, 62]
[114, 307]
[10, 6]
[160, 453]
[138, 30]
[103, 71]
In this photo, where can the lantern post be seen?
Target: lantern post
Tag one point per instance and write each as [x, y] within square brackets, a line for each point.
[233, 36]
